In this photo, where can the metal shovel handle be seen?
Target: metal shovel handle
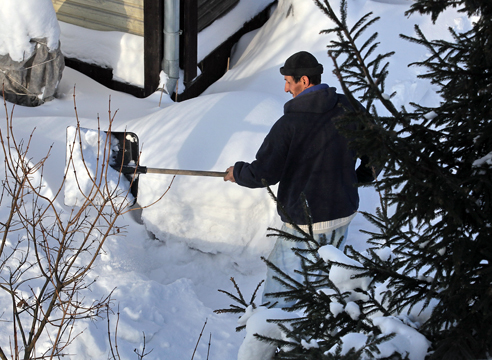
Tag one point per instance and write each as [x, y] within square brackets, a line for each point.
[146, 170]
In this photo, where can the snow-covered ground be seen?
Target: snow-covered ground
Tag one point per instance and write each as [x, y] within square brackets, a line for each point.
[167, 270]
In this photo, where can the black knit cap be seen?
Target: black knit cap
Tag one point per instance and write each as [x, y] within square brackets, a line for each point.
[300, 64]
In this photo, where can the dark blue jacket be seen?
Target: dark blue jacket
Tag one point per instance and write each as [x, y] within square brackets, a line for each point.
[305, 153]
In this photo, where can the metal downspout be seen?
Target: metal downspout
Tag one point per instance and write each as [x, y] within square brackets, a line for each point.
[170, 63]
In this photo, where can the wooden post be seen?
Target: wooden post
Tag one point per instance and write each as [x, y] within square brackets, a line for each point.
[153, 43]
[189, 51]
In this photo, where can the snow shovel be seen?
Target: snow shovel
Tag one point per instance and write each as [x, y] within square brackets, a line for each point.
[123, 158]
[126, 161]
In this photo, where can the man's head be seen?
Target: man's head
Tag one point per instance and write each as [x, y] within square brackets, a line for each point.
[301, 71]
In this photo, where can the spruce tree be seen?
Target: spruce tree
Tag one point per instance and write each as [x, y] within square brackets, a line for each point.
[437, 174]
[433, 246]
[327, 314]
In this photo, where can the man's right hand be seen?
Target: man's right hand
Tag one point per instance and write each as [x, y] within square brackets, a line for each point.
[230, 174]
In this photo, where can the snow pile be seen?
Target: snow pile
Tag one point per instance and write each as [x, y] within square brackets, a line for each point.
[122, 52]
[25, 20]
[226, 26]
[207, 133]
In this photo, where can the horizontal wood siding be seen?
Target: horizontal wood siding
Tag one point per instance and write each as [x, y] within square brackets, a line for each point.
[211, 10]
[128, 15]
[104, 15]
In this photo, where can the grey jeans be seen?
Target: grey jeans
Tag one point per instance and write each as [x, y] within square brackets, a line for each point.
[286, 260]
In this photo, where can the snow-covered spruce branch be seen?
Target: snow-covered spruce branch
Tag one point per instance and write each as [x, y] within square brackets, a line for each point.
[438, 232]
[342, 309]
[239, 298]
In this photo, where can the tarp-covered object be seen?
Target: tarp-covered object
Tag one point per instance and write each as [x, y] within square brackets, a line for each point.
[34, 80]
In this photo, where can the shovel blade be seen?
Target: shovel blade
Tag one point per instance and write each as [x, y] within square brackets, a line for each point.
[87, 152]
[126, 153]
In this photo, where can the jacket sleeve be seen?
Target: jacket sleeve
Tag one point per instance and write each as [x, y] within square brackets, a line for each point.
[269, 163]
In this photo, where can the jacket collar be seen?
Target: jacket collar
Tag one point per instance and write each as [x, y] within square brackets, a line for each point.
[314, 88]
[315, 101]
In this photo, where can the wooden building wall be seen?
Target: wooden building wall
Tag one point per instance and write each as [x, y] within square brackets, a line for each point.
[103, 15]
[127, 15]
[145, 18]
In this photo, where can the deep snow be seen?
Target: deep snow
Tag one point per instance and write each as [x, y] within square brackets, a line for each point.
[167, 271]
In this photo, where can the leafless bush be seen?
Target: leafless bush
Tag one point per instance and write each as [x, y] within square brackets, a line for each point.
[47, 252]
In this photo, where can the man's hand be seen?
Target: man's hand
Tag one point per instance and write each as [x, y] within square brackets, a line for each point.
[230, 174]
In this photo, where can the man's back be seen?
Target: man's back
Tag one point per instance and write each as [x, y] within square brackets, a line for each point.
[305, 153]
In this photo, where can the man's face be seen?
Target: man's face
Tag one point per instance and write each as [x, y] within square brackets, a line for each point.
[294, 88]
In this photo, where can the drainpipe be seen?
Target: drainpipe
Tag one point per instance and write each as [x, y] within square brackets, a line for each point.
[170, 64]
